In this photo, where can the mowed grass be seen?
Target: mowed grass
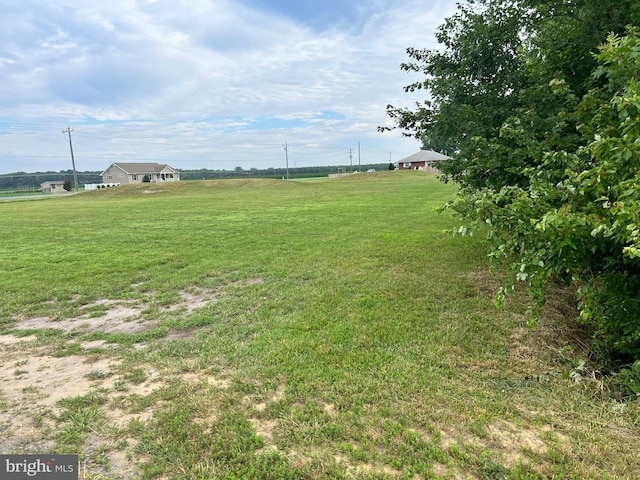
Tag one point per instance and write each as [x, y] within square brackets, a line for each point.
[342, 335]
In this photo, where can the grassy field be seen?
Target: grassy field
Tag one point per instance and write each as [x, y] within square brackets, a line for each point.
[266, 329]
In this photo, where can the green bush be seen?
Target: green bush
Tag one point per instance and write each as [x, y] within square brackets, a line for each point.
[578, 217]
[543, 116]
[630, 379]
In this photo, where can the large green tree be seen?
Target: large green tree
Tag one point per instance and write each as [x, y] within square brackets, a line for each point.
[494, 67]
[539, 101]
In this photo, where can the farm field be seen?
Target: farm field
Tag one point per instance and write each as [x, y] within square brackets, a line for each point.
[263, 329]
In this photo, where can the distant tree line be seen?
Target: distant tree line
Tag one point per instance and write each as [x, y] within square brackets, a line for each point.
[297, 172]
[25, 180]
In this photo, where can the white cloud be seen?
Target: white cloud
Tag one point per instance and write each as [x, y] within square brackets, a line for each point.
[189, 82]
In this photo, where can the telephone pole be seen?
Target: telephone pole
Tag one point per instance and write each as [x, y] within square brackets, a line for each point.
[73, 161]
[286, 156]
[351, 158]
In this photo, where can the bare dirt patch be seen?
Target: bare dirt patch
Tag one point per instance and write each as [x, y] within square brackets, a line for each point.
[43, 380]
[193, 299]
[330, 409]
[94, 344]
[20, 433]
[32, 383]
[119, 316]
[211, 380]
[450, 436]
[368, 469]
[263, 402]
[12, 340]
[178, 334]
[516, 442]
[114, 316]
[119, 320]
[266, 427]
[33, 380]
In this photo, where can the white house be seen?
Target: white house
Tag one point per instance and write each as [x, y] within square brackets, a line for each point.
[53, 187]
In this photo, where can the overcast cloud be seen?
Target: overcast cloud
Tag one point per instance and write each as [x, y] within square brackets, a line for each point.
[206, 83]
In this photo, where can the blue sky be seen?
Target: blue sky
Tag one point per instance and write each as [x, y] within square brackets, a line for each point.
[206, 83]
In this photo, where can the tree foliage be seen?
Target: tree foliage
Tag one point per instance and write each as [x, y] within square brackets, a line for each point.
[540, 103]
[24, 180]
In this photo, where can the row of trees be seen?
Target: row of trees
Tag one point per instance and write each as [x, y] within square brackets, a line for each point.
[538, 101]
[294, 172]
[23, 180]
[32, 181]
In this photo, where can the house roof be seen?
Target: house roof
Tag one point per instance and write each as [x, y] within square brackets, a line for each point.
[427, 156]
[141, 168]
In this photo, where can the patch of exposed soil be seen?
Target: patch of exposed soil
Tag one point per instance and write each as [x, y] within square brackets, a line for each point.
[265, 428]
[95, 344]
[451, 436]
[193, 300]
[12, 340]
[116, 316]
[33, 380]
[43, 380]
[515, 442]
[117, 320]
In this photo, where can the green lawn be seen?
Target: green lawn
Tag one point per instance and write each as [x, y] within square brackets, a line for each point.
[272, 330]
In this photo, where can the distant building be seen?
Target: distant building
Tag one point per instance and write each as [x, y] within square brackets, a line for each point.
[128, 173]
[426, 160]
[53, 187]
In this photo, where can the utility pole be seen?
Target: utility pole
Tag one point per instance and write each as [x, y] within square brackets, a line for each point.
[351, 158]
[359, 165]
[286, 156]
[73, 161]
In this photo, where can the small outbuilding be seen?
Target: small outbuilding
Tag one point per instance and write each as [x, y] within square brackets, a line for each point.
[426, 160]
[53, 187]
[128, 173]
